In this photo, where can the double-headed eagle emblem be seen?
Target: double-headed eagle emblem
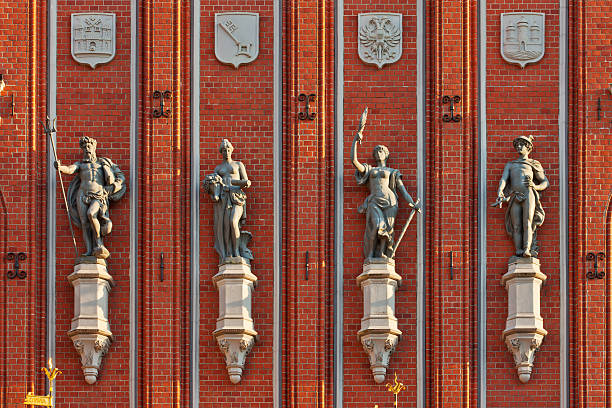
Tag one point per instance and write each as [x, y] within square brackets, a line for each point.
[380, 38]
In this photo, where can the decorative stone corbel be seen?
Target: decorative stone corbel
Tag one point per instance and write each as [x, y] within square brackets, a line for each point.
[90, 330]
[379, 333]
[524, 326]
[235, 331]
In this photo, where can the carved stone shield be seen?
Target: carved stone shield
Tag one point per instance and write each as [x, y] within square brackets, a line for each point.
[380, 38]
[93, 38]
[236, 37]
[522, 37]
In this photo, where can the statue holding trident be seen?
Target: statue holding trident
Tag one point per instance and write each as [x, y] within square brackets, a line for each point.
[98, 182]
[381, 206]
[520, 186]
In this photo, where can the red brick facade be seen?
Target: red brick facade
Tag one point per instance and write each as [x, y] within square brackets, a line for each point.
[238, 104]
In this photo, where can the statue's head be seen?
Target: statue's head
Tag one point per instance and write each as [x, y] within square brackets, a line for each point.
[380, 152]
[88, 145]
[523, 141]
[226, 148]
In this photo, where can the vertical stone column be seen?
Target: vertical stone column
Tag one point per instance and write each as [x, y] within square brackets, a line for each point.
[524, 326]
[379, 333]
[235, 331]
[90, 329]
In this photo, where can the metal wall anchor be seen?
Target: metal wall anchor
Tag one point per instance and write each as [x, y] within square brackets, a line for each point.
[15, 257]
[599, 108]
[594, 257]
[307, 114]
[161, 267]
[159, 112]
[452, 100]
[307, 265]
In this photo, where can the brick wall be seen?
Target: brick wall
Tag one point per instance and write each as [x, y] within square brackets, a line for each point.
[237, 104]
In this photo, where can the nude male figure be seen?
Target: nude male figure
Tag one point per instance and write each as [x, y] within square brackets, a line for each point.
[520, 185]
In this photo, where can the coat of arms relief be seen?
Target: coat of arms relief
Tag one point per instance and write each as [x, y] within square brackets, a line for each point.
[93, 38]
[236, 37]
[522, 37]
[380, 38]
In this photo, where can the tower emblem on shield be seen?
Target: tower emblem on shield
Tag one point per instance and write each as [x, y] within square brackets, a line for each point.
[93, 38]
[380, 38]
[236, 37]
[522, 37]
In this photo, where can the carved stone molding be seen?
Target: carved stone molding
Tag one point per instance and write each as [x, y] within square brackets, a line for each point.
[379, 333]
[524, 331]
[235, 332]
[90, 329]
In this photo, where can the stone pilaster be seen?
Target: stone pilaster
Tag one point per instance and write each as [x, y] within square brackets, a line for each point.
[379, 333]
[524, 326]
[90, 329]
[235, 332]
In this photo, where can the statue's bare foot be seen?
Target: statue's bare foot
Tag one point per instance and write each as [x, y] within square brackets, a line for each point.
[520, 252]
[527, 253]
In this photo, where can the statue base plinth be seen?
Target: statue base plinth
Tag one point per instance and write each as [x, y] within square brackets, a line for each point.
[235, 332]
[524, 330]
[379, 333]
[90, 329]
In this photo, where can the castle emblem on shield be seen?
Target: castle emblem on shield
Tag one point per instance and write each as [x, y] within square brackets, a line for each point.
[93, 38]
[380, 38]
[522, 37]
[236, 37]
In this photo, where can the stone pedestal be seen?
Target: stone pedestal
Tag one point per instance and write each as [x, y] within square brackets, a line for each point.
[379, 333]
[90, 330]
[235, 332]
[524, 326]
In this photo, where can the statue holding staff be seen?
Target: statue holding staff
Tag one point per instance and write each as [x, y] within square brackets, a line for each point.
[98, 181]
[520, 186]
[381, 206]
[225, 186]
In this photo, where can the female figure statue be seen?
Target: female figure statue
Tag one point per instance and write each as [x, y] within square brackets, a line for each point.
[225, 188]
[381, 205]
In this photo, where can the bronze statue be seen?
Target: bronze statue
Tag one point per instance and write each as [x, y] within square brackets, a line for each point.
[381, 205]
[225, 188]
[98, 182]
[520, 186]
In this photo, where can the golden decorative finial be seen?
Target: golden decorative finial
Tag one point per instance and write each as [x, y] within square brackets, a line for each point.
[396, 388]
[51, 373]
[43, 400]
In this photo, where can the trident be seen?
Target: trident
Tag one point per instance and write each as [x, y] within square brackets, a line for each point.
[49, 128]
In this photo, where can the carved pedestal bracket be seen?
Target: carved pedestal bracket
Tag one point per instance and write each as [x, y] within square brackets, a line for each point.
[524, 326]
[235, 331]
[90, 330]
[379, 333]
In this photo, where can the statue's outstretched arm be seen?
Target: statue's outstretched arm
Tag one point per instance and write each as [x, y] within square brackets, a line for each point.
[503, 181]
[402, 188]
[67, 169]
[360, 167]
